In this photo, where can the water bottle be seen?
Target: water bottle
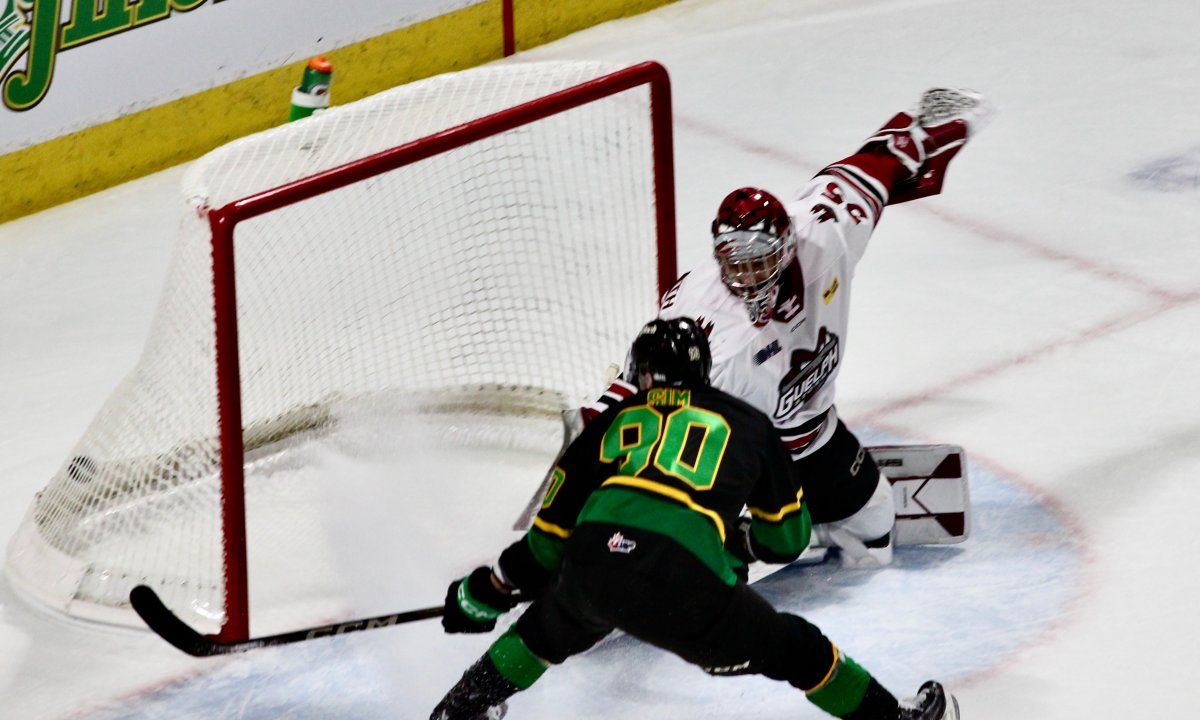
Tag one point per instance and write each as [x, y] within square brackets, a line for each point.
[313, 93]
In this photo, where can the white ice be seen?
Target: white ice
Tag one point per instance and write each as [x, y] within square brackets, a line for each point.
[1042, 313]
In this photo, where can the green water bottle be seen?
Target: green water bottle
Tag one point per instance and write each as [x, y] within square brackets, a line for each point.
[313, 93]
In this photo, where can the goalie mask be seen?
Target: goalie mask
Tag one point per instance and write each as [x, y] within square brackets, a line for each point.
[669, 352]
[752, 242]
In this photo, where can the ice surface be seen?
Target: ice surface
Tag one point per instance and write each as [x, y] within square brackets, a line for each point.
[1041, 313]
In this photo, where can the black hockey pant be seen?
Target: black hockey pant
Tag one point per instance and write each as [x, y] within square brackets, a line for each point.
[661, 594]
[839, 478]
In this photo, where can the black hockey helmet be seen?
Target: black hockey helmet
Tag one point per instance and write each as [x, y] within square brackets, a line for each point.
[670, 352]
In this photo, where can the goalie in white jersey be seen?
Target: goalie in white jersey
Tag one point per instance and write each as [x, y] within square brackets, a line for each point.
[775, 301]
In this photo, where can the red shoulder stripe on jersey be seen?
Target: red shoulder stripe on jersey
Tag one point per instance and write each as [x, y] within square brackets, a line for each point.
[619, 390]
[865, 184]
[864, 189]
[668, 298]
[882, 170]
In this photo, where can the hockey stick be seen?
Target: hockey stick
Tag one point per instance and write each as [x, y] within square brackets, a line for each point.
[526, 518]
[169, 627]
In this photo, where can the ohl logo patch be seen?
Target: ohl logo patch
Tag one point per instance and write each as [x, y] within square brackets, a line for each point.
[618, 543]
[809, 371]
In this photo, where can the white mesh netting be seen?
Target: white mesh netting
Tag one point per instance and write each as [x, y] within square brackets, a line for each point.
[482, 290]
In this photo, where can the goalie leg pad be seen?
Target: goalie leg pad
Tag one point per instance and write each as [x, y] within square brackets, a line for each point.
[929, 486]
[931, 497]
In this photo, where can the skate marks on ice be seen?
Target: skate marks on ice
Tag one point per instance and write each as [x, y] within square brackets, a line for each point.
[950, 612]
[1171, 174]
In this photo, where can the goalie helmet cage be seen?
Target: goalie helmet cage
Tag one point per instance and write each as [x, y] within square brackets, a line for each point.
[483, 241]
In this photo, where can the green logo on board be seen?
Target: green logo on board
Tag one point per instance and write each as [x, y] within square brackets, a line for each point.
[14, 32]
[35, 30]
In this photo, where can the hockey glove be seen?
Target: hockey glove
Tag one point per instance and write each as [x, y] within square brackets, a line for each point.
[925, 140]
[474, 603]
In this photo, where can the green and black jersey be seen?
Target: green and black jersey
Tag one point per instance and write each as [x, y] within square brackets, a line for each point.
[679, 462]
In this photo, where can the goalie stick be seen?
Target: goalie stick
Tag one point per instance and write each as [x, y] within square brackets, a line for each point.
[167, 625]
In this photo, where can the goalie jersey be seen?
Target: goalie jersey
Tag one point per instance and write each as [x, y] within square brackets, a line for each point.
[788, 366]
[680, 463]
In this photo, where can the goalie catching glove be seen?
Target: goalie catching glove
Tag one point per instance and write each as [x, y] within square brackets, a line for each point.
[474, 603]
[925, 140]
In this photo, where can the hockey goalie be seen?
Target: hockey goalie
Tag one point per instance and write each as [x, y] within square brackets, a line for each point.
[774, 299]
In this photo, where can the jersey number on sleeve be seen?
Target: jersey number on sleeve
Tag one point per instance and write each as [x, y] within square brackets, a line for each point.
[688, 444]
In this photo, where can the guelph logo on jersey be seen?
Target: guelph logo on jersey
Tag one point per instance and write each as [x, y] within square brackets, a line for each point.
[810, 369]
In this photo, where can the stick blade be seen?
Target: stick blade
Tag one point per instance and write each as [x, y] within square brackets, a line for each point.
[166, 624]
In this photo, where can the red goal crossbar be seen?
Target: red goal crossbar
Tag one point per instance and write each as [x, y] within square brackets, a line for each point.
[224, 220]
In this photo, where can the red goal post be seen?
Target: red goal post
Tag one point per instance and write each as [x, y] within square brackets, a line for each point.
[471, 249]
[225, 219]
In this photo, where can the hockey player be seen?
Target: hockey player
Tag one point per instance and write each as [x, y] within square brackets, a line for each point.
[774, 299]
[632, 535]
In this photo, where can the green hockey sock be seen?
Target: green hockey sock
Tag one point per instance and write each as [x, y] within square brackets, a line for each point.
[515, 661]
[843, 690]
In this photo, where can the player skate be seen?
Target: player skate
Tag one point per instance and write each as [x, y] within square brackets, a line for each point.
[479, 695]
[931, 702]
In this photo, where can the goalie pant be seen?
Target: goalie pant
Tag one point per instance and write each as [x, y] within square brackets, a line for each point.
[616, 577]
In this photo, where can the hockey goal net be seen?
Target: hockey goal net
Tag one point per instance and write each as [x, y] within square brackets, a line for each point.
[472, 250]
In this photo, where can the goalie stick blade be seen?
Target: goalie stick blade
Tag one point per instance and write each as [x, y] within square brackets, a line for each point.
[167, 625]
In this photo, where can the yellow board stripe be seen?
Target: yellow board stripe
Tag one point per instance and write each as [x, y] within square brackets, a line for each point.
[541, 21]
[782, 512]
[159, 137]
[550, 528]
[676, 495]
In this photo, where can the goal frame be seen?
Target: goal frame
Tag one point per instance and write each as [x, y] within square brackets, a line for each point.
[224, 220]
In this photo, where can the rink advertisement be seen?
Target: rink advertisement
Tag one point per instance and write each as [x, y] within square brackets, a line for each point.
[36, 30]
[77, 62]
[97, 92]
